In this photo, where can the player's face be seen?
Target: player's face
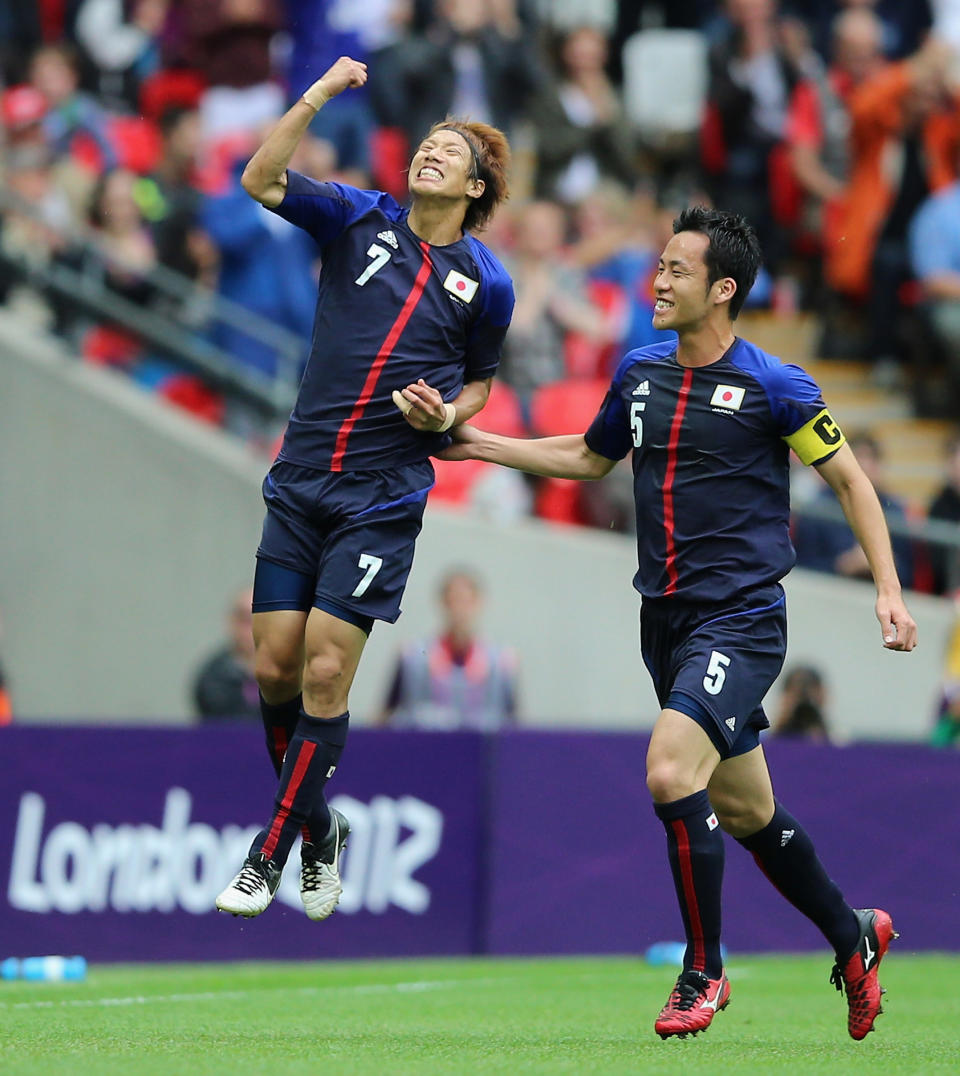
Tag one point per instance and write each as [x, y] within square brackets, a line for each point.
[683, 296]
[443, 167]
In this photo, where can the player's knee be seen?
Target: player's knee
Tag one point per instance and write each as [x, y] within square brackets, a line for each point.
[669, 780]
[324, 677]
[276, 675]
[740, 817]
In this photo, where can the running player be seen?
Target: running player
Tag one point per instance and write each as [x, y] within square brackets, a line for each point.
[710, 419]
[412, 311]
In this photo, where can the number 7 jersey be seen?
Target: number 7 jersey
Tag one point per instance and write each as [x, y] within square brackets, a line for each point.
[711, 464]
[390, 309]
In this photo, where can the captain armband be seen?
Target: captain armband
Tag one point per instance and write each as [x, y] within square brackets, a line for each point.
[816, 440]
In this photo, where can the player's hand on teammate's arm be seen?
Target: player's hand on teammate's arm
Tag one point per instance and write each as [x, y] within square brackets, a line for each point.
[897, 625]
[466, 442]
[424, 409]
[346, 73]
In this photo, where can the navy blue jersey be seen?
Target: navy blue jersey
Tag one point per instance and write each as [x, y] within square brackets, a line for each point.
[391, 309]
[710, 464]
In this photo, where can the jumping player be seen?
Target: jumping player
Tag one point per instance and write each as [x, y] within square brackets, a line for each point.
[710, 419]
[410, 319]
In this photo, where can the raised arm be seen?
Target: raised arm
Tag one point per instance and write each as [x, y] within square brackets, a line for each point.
[566, 456]
[864, 513]
[265, 177]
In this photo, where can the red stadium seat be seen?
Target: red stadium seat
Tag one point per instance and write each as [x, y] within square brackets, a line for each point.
[190, 394]
[583, 355]
[390, 157]
[502, 413]
[136, 142]
[566, 406]
[175, 88]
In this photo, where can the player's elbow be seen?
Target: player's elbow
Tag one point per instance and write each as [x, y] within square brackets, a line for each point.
[252, 181]
[595, 466]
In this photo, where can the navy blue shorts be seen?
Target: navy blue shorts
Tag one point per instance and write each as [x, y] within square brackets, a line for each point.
[715, 663]
[348, 536]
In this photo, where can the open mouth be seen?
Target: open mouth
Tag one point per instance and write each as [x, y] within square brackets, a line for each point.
[428, 172]
[662, 305]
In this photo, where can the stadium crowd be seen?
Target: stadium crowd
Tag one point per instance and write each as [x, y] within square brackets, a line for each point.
[833, 125]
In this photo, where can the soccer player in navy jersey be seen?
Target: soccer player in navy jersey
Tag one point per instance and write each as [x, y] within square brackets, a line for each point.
[410, 318]
[710, 419]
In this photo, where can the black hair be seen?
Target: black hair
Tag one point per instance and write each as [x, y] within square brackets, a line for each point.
[733, 250]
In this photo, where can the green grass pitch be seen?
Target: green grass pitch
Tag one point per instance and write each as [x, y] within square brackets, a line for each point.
[583, 1015]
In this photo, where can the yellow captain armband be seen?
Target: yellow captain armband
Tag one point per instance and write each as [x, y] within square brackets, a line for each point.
[819, 438]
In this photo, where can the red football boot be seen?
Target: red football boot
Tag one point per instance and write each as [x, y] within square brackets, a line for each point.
[692, 1004]
[858, 973]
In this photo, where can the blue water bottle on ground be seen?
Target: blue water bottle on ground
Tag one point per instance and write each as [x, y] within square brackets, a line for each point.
[53, 969]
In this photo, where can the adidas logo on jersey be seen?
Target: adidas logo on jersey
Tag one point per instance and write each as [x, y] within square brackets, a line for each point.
[643, 389]
[388, 237]
[731, 723]
[785, 836]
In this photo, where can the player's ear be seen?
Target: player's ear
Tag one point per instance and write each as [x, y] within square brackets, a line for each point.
[476, 188]
[725, 289]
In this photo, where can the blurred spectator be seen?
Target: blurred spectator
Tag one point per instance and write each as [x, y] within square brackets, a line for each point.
[549, 304]
[818, 124]
[619, 242]
[323, 30]
[229, 43]
[121, 256]
[54, 71]
[457, 680]
[828, 545]
[903, 25]
[935, 261]
[171, 199]
[754, 69]
[266, 264]
[224, 686]
[906, 128]
[581, 129]
[946, 730]
[802, 705]
[473, 60]
[945, 506]
[121, 40]
[37, 184]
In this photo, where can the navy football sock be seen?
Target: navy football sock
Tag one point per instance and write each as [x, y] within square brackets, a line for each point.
[785, 854]
[695, 848]
[279, 724]
[311, 758]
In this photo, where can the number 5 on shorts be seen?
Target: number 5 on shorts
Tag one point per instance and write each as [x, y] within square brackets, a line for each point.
[371, 565]
[716, 673]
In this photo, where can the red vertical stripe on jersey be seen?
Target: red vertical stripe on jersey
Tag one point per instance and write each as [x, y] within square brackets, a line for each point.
[671, 552]
[293, 787]
[690, 894]
[386, 348]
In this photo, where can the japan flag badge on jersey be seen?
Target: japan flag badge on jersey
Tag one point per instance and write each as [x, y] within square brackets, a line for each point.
[462, 286]
[728, 396]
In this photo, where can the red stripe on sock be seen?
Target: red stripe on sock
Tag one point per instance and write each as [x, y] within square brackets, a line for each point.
[670, 563]
[386, 349]
[281, 741]
[293, 786]
[690, 894]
